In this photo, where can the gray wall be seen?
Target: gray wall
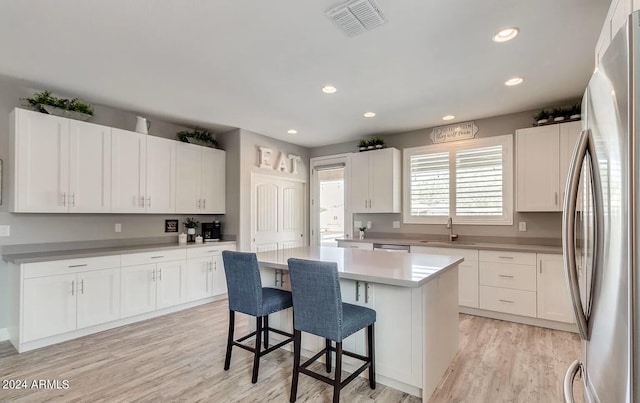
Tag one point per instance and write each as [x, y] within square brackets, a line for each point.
[46, 228]
[539, 225]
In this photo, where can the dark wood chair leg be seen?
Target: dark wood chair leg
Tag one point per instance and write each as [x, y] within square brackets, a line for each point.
[336, 381]
[256, 356]
[371, 346]
[266, 332]
[297, 337]
[227, 358]
[327, 358]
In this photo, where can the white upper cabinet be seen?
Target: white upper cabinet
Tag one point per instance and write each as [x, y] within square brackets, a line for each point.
[128, 171]
[543, 155]
[375, 181]
[201, 179]
[161, 175]
[60, 165]
[63, 165]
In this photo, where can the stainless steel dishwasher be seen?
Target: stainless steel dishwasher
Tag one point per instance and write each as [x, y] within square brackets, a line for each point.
[391, 247]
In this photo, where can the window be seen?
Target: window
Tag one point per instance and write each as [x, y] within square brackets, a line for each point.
[470, 181]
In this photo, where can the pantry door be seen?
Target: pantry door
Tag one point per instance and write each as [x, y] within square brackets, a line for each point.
[277, 213]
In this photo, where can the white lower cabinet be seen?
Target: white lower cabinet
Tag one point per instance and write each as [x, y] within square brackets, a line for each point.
[554, 302]
[148, 287]
[65, 302]
[205, 272]
[467, 271]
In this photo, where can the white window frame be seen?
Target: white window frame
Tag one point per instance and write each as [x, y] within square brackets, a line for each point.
[506, 141]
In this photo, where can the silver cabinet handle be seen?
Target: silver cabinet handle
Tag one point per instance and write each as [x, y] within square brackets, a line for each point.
[541, 267]
[64, 198]
[73, 199]
[506, 257]
[77, 265]
[506, 300]
[556, 198]
[141, 201]
[148, 201]
[157, 257]
[215, 266]
[199, 203]
[357, 291]
[153, 275]
[82, 286]
[160, 274]
[583, 147]
[505, 276]
[204, 203]
[73, 287]
[573, 370]
[366, 293]
[365, 204]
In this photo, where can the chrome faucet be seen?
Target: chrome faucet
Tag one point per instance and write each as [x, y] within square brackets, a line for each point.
[452, 236]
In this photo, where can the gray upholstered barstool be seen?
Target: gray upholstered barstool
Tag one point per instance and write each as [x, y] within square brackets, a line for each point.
[318, 309]
[247, 295]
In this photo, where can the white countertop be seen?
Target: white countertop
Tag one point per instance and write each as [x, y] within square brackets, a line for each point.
[400, 269]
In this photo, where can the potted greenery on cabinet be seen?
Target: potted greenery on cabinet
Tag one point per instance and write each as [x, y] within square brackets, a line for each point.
[69, 108]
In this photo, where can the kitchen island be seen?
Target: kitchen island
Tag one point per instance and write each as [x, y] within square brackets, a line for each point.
[415, 297]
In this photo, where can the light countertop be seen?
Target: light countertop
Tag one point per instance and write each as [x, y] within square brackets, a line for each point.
[34, 257]
[513, 247]
[400, 269]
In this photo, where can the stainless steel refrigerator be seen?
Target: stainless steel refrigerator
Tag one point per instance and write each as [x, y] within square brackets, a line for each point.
[600, 227]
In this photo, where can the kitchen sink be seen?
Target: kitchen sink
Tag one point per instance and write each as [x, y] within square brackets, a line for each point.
[448, 243]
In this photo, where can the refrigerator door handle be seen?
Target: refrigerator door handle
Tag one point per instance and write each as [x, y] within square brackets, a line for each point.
[573, 370]
[568, 232]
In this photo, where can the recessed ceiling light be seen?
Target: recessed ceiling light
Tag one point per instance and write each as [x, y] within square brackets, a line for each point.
[369, 114]
[506, 34]
[448, 117]
[514, 81]
[329, 89]
[292, 131]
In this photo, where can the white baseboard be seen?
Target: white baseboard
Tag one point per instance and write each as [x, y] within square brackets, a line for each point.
[4, 334]
[549, 324]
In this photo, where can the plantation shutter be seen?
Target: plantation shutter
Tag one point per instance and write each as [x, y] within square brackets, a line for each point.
[479, 182]
[430, 177]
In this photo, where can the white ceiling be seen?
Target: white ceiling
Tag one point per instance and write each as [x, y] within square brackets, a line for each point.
[260, 65]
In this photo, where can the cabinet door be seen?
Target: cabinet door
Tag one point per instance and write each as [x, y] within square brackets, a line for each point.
[49, 306]
[218, 276]
[138, 289]
[212, 184]
[171, 283]
[360, 182]
[188, 171]
[128, 153]
[41, 162]
[98, 297]
[199, 278]
[554, 302]
[89, 168]
[384, 181]
[569, 133]
[538, 169]
[161, 175]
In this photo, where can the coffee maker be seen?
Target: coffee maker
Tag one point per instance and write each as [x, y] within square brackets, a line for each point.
[211, 231]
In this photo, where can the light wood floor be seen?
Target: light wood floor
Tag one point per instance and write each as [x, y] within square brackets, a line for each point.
[179, 357]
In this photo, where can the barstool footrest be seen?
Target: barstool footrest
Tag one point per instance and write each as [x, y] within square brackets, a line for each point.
[238, 343]
[304, 370]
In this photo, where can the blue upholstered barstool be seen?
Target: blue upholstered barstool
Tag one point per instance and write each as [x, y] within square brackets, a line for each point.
[318, 309]
[247, 295]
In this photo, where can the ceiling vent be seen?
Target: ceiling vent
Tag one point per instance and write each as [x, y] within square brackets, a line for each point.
[356, 16]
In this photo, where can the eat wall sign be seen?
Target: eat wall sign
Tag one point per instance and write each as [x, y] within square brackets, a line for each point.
[282, 162]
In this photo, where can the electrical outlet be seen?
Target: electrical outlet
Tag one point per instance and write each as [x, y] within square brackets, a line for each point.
[118, 227]
[357, 224]
[396, 224]
[5, 230]
[368, 224]
[522, 226]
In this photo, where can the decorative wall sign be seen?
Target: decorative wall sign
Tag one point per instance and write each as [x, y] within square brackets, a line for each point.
[170, 225]
[460, 131]
[283, 163]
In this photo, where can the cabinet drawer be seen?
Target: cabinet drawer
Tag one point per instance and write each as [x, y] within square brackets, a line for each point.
[134, 259]
[507, 275]
[204, 251]
[508, 257]
[506, 300]
[69, 266]
[355, 245]
[469, 255]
